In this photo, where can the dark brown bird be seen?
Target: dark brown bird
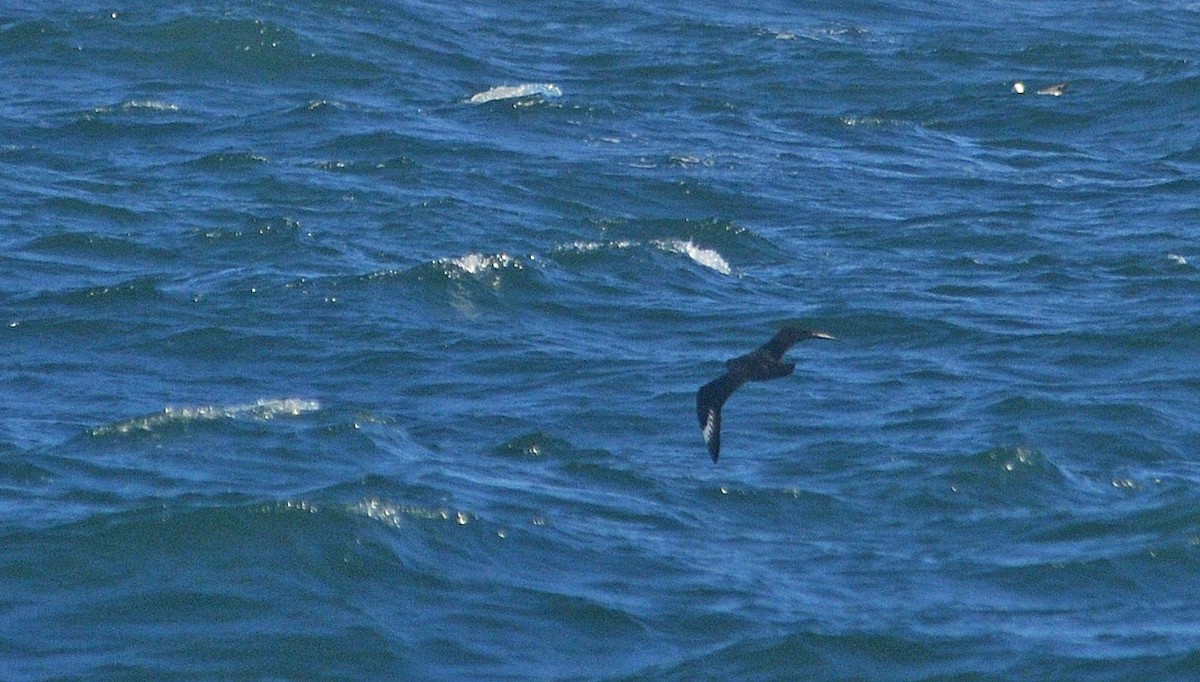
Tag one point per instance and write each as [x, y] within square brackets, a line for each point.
[762, 364]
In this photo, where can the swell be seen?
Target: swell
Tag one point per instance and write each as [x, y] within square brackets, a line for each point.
[915, 656]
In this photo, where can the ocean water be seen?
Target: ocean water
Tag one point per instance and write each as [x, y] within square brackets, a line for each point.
[360, 340]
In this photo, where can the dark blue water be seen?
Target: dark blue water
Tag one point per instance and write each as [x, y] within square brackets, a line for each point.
[360, 340]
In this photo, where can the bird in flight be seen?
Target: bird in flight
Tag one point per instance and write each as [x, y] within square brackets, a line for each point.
[762, 364]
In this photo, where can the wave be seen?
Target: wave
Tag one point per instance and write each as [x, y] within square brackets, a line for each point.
[467, 277]
[141, 291]
[909, 655]
[91, 246]
[138, 105]
[260, 410]
[455, 267]
[1001, 478]
[709, 258]
[502, 92]
[374, 508]
[392, 514]
[479, 263]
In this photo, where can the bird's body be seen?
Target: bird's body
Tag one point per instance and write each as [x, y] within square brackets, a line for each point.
[762, 364]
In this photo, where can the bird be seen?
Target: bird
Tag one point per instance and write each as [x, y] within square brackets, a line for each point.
[762, 364]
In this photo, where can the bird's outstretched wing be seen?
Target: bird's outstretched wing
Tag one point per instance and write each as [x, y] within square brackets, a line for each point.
[709, 400]
[787, 337]
[783, 340]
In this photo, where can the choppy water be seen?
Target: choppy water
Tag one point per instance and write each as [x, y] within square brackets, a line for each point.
[360, 341]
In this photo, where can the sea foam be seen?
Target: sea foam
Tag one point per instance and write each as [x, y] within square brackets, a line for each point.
[260, 410]
[477, 263]
[709, 258]
[515, 92]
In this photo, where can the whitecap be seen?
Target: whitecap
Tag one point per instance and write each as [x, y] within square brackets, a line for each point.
[709, 258]
[260, 410]
[516, 91]
[689, 161]
[477, 263]
[1177, 259]
[152, 105]
[318, 104]
[587, 247]
[1055, 90]
[395, 514]
[875, 121]
[137, 105]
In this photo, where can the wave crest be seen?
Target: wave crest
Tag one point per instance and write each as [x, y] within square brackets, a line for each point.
[709, 258]
[478, 263]
[260, 410]
[516, 92]
[395, 514]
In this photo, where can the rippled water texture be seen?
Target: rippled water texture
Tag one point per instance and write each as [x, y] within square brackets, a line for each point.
[361, 340]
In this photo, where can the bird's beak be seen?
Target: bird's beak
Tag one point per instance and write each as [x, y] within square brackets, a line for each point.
[823, 335]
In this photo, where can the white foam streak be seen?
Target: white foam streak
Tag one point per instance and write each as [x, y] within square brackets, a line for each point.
[477, 263]
[138, 104]
[587, 247]
[709, 258]
[395, 514]
[516, 91]
[260, 410]
[153, 105]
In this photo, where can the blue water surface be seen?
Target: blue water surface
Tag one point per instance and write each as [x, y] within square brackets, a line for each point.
[360, 340]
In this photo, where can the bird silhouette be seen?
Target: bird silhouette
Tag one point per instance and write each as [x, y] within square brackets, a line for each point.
[762, 364]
